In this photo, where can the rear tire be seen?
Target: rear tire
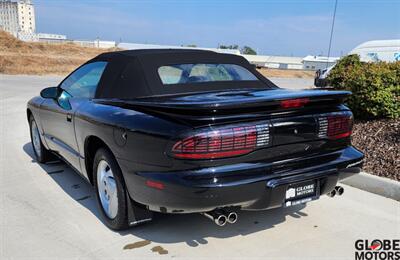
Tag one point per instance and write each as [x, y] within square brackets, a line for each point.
[110, 190]
[41, 153]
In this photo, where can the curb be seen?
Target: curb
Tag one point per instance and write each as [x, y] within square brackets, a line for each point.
[374, 184]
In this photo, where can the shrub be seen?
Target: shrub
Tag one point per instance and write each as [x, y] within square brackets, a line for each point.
[248, 50]
[375, 86]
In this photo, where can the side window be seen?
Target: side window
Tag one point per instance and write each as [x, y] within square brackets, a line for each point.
[63, 100]
[83, 82]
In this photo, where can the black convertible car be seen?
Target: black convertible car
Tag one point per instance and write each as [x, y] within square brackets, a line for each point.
[184, 131]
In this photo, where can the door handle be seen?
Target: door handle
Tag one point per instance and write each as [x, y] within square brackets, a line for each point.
[69, 118]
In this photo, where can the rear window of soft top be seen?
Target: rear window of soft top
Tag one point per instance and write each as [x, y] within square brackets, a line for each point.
[203, 72]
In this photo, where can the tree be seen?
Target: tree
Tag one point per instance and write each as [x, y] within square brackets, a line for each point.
[248, 50]
[231, 47]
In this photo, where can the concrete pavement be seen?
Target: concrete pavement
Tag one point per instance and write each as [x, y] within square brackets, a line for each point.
[49, 212]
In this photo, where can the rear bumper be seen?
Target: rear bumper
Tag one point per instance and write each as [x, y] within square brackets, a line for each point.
[250, 186]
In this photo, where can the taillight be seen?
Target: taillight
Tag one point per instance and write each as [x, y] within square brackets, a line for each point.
[221, 143]
[335, 126]
[294, 103]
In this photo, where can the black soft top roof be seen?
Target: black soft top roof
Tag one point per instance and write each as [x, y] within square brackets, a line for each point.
[141, 52]
[134, 73]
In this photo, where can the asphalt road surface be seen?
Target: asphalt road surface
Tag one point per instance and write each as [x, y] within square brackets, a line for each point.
[49, 212]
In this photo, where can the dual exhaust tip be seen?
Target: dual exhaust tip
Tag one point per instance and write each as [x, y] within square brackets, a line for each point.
[339, 190]
[221, 217]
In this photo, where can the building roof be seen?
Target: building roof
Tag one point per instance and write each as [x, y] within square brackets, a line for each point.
[273, 59]
[51, 36]
[311, 58]
[285, 59]
[378, 44]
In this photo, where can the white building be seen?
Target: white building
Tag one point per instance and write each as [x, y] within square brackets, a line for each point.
[318, 62]
[96, 44]
[380, 50]
[18, 18]
[276, 62]
[51, 38]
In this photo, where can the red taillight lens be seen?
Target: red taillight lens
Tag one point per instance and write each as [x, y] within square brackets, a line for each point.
[294, 103]
[335, 126]
[155, 184]
[220, 143]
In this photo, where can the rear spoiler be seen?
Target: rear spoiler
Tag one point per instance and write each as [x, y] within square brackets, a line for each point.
[243, 102]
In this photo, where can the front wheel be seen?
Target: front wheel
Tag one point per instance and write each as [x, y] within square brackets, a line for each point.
[110, 190]
[41, 153]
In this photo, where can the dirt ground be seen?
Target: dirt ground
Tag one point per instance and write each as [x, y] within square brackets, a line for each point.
[18, 57]
[278, 73]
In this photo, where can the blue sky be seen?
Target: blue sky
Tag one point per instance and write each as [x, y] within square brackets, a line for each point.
[276, 27]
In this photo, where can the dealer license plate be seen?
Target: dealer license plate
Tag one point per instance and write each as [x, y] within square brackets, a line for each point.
[299, 193]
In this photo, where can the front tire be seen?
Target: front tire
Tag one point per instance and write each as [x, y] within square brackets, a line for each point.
[110, 190]
[41, 153]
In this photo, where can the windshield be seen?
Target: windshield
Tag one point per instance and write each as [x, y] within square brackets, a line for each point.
[203, 72]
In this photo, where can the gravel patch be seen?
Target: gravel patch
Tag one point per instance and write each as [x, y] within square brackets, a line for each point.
[380, 142]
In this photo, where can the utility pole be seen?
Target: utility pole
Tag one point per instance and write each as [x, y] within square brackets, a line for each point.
[330, 39]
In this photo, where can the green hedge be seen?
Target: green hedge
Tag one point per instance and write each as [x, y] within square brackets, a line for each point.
[375, 86]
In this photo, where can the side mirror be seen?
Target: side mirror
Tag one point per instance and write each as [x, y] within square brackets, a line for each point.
[51, 92]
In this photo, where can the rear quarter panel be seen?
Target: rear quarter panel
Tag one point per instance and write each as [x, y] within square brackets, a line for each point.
[146, 136]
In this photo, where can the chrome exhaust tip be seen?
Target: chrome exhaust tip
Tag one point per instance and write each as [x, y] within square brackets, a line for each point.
[232, 217]
[339, 190]
[216, 217]
[221, 220]
[332, 193]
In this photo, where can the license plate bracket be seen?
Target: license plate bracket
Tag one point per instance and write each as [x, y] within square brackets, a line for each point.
[301, 192]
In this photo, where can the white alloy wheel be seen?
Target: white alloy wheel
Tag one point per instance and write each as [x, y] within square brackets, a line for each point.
[107, 189]
[36, 139]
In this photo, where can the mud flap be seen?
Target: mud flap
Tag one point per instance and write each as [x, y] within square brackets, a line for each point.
[137, 213]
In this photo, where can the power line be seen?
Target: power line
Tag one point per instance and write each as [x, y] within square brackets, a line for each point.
[330, 39]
